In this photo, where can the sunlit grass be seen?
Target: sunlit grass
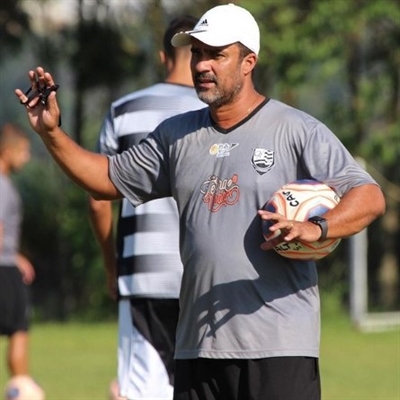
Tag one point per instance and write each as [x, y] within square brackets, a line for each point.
[77, 361]
[359, 366]
[71, 361]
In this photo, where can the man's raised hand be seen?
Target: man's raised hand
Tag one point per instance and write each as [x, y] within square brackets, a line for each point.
[40, 102]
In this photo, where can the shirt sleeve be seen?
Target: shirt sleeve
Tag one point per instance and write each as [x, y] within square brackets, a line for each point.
[327, 160]
[141, 173]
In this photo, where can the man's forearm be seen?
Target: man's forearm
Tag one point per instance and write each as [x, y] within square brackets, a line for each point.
[101, 218]
[89, 170]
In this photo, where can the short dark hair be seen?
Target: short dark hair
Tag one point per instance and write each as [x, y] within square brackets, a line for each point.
[243, 50]
[178, 24]
[11, 133]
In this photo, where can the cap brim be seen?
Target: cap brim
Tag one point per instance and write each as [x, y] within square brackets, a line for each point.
[210, 38]
[181, 39]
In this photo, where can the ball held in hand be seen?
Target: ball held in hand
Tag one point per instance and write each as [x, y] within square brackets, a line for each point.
[299, 201]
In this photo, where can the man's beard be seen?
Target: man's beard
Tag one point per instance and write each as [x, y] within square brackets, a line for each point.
[217, 98]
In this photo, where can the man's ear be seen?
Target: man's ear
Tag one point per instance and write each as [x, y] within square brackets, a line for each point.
[163, 57]
[249, 62]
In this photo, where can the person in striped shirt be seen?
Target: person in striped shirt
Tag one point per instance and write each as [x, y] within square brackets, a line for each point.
[148, 267]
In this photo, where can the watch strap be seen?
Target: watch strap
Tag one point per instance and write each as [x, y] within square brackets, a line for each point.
[322, 223]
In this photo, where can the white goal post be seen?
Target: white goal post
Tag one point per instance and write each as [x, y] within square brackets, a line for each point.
[361, 318]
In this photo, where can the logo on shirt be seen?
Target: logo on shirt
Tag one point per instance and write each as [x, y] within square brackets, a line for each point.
[262, 160]
[218, 193]
[222, 149]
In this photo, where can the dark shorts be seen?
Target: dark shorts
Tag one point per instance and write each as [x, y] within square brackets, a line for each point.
[156, 320]
[14, 304]
[280, 378]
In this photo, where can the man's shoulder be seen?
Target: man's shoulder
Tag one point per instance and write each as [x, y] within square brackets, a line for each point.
[153, 89]
[186, 122]
[289, 112]
[162, 98]
[5, 181]
[8, 190]
[159, 89]
[191, 115]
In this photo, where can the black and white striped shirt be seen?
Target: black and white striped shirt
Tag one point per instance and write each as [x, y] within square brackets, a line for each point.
[149, 263]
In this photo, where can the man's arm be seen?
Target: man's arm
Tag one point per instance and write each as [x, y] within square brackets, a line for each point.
[26, 268]
[356, 210]
[101, 218]
[89, 170]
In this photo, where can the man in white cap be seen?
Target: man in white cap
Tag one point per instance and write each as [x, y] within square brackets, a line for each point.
[223, 25]
[249, 319]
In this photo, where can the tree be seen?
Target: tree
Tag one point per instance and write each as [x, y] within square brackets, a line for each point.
[14, 25]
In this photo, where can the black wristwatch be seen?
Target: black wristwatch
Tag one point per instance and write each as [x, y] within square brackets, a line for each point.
[321, 222]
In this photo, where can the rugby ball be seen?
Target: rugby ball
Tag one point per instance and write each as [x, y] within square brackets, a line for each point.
[23, 387]
[299, 201]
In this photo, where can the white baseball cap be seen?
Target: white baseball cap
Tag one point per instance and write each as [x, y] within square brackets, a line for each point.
[221, 26]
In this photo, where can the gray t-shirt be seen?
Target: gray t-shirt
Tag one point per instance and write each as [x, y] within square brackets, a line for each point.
[236, 300]
[10, 218]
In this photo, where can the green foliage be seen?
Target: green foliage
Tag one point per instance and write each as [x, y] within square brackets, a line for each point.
[101, 59]
[14, 25]
[57, 237]
[354, 43]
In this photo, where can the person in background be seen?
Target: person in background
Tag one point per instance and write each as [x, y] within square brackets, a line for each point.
[16, 271]
[145, 261]
[249, 319]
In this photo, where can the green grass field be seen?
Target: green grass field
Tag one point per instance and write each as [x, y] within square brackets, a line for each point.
[77, 361]
[358, 366]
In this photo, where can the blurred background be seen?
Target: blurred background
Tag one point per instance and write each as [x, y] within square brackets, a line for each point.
[338, 60]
